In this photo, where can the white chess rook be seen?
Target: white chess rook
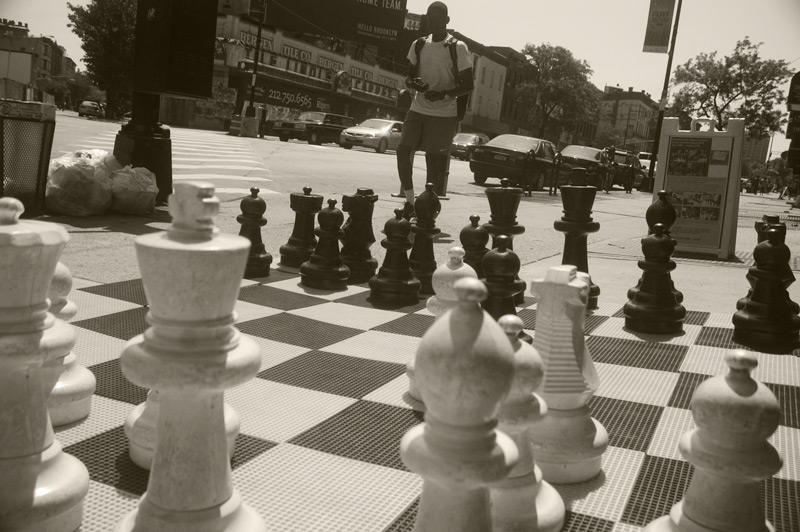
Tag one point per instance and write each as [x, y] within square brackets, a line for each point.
[569, 444]
[523, 501]
[465, 366]
[41, 487]
[443, 281]
[69, 384]
[730, 453]
[190, 355]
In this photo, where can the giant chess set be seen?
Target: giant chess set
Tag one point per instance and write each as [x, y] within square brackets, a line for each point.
[227, 391]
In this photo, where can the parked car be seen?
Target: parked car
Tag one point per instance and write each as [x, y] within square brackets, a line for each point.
[375, 133]
[592, 159]
[314, 127]
[464, 144]
[526, 161]
[628, 165]
[90, 108]
[645, 158]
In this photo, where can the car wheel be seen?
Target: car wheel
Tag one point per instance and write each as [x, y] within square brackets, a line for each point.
[283, 138]
[468, 155]
[314, 139]
[80, 114]
[382, 145]
[346, 146]
[480, 177]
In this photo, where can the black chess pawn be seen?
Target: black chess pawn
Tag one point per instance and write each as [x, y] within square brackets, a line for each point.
[501, 267]
[358, 235]
[395, 282]
[252, 220]
[661, 211]
[653, 306]
[302, 242]
[422, 259]
[576, 224]
[768, 322]
[767, 222]
[474, 238]
[324, 269]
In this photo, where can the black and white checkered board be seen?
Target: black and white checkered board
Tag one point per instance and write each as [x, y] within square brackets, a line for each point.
[321, 425]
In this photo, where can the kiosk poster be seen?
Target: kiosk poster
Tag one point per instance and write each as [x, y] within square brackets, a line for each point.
[697, 178]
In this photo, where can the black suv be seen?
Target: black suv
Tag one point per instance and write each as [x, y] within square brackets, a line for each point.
[314, 127]
[628, 166]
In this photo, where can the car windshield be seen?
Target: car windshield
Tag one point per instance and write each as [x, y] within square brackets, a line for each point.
[584, 152]
[463, 137]
[621, 158]
[514, 142]
[311, 117]
[374, 123]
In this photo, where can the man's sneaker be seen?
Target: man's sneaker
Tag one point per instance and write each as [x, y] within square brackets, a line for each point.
[408, 212]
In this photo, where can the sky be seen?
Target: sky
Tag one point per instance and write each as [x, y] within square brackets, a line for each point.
[608, 34]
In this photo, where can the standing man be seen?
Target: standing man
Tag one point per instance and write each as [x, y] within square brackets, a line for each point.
[433, 117]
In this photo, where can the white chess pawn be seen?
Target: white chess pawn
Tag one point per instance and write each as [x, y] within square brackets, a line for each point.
[523, 501]
[69, 384]
[41, 487]
[191, 353]
[465, 366]
[443, 280]
[730, 453]
[569, 444]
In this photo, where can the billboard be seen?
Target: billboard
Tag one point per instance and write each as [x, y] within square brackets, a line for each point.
[659, 25]
[373, 22]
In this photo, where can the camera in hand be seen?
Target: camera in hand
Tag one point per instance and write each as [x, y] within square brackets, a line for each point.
[419, 85]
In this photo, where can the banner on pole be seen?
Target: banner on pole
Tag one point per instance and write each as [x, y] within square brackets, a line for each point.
[659, 24]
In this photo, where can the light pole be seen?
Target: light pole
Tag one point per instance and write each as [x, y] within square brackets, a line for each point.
[251, 109]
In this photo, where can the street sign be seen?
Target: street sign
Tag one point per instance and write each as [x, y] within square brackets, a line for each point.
[793, 126]
[659, 26]
[793, 99]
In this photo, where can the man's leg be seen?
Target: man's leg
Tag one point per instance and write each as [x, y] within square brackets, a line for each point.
[409, 141]
[437, 137]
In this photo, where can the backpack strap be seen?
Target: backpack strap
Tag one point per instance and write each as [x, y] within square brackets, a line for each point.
[452, 42]
[418, 44]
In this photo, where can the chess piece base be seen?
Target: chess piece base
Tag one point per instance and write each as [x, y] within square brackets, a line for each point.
[569, 445]
[769, 336]
[231, 516]
[676, 521]
[652, 326]
[71, 398]
[54, 503]
[258, 266]
[332, 280]
[513, 502]
[140, 429]
[394, 291]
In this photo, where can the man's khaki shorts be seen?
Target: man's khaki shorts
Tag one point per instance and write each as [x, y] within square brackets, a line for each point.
[431, 134]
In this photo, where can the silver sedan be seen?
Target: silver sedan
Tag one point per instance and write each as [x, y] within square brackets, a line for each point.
[375, 133]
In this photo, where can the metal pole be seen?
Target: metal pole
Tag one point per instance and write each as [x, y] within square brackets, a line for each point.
[627, 123]
[251, 109]
[663, 103]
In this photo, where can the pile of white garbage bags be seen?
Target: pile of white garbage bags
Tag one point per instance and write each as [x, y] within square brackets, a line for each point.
[91, 182]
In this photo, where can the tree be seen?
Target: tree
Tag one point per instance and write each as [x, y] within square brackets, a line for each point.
[608, 135]
[741, 85]
[557, 88]
[106, 29]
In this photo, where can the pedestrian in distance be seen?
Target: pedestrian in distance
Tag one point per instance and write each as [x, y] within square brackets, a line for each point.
[440, 74]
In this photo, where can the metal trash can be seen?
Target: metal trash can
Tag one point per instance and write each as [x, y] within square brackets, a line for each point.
[26, 139]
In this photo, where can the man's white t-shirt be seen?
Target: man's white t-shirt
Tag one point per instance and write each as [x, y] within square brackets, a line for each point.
[436, 69]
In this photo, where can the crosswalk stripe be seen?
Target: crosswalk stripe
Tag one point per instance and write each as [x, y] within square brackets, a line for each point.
[214, 167]
[202, 177]
[243, 191]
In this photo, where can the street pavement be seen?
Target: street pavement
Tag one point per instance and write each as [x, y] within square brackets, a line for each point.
[101, 247]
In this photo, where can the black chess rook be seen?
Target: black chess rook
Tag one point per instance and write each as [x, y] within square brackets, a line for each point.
[302, 242]
[358, 235]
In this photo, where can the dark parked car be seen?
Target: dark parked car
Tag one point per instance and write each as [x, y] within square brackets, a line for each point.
[313, 127]
[375, 133]
[90, 108]
[525, 161]
[464, 144]
[592, 159]
[628, 165]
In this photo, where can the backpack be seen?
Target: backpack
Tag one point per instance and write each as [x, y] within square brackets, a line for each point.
[450, 41]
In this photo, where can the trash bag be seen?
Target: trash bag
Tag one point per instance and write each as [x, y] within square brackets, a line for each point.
[133, 190]
[78, 183]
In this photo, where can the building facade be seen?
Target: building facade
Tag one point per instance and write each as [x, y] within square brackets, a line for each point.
[631, 114]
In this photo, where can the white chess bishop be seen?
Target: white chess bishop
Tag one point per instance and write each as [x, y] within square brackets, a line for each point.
[41, 487]
[568, 443]
[730, 453]
[443, 280]
[191, 353]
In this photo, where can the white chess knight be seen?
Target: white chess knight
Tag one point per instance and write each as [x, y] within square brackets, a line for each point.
[523, 501]
[70, 385]
[730, 453]
[191, 353]
[443, 280]
[568, 443]
[41, 487]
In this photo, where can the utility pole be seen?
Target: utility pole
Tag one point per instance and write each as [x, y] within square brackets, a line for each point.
[663, 103]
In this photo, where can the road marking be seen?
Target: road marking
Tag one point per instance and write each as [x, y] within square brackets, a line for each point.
[203, 177]
[243, 191]
[214, 167]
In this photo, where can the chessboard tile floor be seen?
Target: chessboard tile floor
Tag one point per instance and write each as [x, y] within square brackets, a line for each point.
[321, 424]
